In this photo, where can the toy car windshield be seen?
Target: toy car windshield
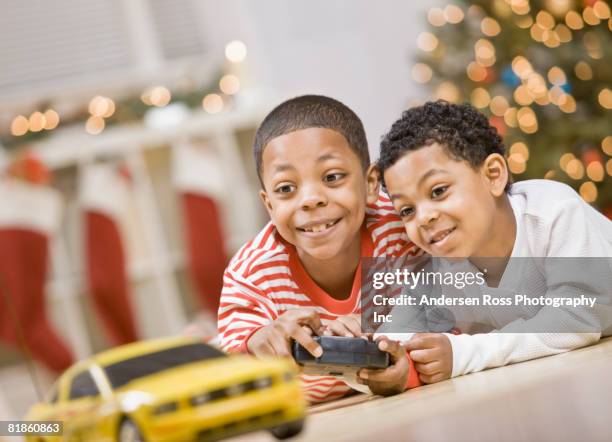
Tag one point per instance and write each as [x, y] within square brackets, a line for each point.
[124, 372]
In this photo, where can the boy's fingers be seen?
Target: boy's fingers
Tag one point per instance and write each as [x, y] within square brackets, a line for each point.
[352, 324]
[309, 317]
[394, 348]
[422, 340]
[429, 368]
[264, 349]
[307, 342]
[385, 374]
[339, 329]
[307, 330]
[430, 379]
[423, 356]
[280, 345]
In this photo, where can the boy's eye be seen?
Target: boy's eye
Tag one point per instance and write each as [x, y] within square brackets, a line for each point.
[285, 188]
[406, 211]
[438, 191]
[331, 177]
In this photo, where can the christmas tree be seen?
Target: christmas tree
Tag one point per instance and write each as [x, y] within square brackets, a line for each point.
[542, 72]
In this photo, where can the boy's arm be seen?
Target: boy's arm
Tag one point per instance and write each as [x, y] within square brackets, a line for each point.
[249, 321]
[473, 353]
[243, 309]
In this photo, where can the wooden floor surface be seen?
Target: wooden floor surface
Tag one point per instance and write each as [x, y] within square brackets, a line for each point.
[564, 397]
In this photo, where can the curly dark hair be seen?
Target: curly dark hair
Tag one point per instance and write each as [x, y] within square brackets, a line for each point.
[309, 111]
[465, 133]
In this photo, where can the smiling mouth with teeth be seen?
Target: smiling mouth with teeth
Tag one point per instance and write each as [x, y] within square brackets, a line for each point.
[319, 227]
[440, 236]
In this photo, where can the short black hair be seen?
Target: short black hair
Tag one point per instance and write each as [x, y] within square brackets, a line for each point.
[308, 111]
[463, 131]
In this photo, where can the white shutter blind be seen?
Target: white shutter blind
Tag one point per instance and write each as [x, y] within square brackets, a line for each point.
[177, 28]
[46, 44]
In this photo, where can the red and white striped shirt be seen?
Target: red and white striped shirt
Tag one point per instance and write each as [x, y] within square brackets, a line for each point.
[265, 279]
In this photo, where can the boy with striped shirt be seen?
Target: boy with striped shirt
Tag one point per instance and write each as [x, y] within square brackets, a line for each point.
[301, 274]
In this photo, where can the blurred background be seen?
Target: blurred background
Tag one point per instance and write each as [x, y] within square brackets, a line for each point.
[127, 179]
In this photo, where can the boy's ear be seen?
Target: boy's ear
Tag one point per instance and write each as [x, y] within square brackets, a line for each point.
[266, 201]
[495, 173]
[372, 183]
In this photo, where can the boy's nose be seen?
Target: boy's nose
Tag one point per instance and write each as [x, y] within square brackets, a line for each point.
[427, 216]
[312, 198]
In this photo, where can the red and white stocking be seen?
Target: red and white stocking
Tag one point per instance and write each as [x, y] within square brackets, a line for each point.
[198, 179]
[29, 214]
[103, 201]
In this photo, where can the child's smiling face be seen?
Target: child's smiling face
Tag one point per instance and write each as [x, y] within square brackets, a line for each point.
[448, 207]
[315, 191]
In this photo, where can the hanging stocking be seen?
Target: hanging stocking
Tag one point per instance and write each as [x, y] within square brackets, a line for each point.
[29, 214]
[103, 199]
[199, 181]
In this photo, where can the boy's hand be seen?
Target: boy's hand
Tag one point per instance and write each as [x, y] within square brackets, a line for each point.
[274, 339]
[432, 355]
[349, 326]
[390, 380]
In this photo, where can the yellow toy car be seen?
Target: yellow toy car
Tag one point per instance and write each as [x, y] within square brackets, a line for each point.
[174, 389]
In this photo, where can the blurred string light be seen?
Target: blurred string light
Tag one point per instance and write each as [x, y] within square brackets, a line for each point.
[52, 119]
[601, 10]
[37, 122]
[588, 191]
[447, 91]
[563, 32]
[520, 7]
[520, 149]
[605, 98]
[421, 73]
[592, 45]
[575, 169]
[583, 71]
[94, 125]
[453, 14]
[595, 171]
[589, 16]
[235, 51]
[229, 84]
[606, 145]
[527, 120]
[501, 8]
[476, 72]
[427, 42]
[609, 167]
[565, 159]
[480, 98]
[158, 96]
[556, 76]
[559, 7]
[490, 27]
[484, 52]
[19, 126]
[510, 117]
[212, 103]
[524, 22]
[100, 106]
[573, 20]
[549, 175]
[498, 105]
[517, 162]
[436, 17]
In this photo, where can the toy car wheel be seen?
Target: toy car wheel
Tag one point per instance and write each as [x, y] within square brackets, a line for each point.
[129, 432]
[288, 430]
